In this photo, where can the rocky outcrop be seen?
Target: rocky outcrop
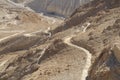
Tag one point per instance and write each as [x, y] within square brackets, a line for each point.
[116, 50]
[107, 66]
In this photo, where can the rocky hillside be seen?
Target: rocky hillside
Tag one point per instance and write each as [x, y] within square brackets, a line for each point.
[85, 46]
[100, 23]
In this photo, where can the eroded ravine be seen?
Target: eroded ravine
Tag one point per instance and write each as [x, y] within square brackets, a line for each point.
[67, 40]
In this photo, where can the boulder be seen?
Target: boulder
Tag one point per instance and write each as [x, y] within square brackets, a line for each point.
[116, 50]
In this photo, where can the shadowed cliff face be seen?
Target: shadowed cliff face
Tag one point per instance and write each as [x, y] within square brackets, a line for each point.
[59, 7]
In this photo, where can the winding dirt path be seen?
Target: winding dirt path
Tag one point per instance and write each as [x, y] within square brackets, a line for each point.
[67, 40]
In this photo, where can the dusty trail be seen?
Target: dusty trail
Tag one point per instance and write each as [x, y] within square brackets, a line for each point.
[11, 36]
[88, 54]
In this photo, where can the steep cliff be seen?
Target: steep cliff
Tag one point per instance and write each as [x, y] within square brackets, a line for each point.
[59, 7]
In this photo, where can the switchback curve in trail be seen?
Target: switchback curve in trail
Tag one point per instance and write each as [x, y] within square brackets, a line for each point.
[67, 40]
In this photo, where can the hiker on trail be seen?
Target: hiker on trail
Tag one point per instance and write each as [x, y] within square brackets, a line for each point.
[48, 32]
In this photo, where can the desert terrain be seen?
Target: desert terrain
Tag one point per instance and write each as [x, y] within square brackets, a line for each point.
[81, 45]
